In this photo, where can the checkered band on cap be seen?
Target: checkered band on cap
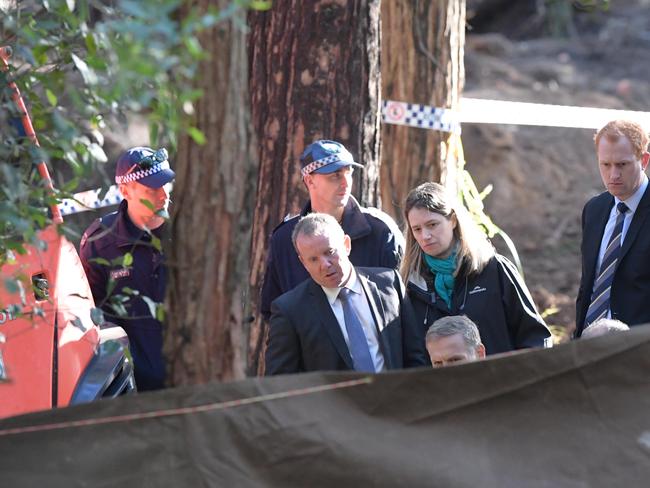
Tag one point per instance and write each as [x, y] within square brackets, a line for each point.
[143, 173]
[319, 163]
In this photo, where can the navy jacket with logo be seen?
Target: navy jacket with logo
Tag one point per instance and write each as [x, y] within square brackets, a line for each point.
[496, 300]
[376, 243]
[112, 237]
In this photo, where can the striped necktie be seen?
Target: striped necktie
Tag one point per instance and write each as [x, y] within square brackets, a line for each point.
[602, 286]
[358, 344]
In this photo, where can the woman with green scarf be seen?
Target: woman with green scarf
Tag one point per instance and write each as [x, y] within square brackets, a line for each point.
[451, 268]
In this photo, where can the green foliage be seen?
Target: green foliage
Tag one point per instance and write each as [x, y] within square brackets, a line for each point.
[559, 14]
[591, 5]
[470, 196]
[473, 200]
[559, 18]
[97, 316]
[82, 65]
[196, 135]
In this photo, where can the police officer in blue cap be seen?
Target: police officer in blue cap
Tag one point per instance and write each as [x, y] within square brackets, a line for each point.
[135, 229]
[327, 168]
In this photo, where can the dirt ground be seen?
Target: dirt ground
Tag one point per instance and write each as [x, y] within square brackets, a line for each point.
[543, 176]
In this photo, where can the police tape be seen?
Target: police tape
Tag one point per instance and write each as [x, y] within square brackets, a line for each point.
[471, 110]
[422, 116]
[89, 200]
[486, 111]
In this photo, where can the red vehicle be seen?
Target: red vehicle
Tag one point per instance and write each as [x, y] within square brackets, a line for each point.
[52, 354]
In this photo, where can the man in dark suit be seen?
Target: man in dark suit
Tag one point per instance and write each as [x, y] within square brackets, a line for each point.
[615, 248]
[342, 318]
[327, 173]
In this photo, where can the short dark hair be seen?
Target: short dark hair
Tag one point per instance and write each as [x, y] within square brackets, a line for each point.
[455, 324]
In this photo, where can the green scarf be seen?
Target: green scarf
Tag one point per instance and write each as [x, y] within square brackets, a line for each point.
[443, 269]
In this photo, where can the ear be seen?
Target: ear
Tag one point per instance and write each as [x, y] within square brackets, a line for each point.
[124, 190]
[644, 160]
[297, 248]
[307, 180]
[454, 220]
[347, 244]
[480, 351]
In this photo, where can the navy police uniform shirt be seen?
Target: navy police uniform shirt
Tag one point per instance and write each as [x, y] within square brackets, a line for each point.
[109, 238]
[376, 242]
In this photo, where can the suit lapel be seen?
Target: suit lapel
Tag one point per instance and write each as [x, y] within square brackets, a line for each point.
[324, 314]
[594, 236]
[372, 295]
[636, 224]
[378, 314]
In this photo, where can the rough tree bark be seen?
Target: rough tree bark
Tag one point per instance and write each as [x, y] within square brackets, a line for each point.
[214, 196]
[314, 74]
[422, 62]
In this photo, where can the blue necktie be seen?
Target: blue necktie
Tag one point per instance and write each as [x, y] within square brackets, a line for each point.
[358, 344]
[603, 285]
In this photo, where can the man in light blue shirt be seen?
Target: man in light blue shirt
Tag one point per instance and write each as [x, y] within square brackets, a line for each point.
[342, 317]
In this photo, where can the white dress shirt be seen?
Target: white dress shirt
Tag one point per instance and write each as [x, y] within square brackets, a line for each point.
[360, 302]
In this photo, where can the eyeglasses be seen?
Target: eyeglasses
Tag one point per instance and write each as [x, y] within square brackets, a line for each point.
[160, 156]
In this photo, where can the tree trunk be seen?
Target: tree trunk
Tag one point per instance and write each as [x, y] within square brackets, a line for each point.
[422, 62]
[314, 75]
[213, 192]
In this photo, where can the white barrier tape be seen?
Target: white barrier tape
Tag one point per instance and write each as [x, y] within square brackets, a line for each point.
[483, 111]
[89, 200]
[421, 116]
[480, 111]
[472, 110]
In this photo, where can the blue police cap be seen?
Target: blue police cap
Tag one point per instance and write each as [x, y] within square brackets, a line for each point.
[325, 157]
[144, 165]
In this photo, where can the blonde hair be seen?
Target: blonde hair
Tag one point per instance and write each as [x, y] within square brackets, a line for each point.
[474, 250]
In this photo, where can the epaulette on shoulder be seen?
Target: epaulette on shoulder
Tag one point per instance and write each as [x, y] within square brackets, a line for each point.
[92, 228]
[99, 224]
[287, 218]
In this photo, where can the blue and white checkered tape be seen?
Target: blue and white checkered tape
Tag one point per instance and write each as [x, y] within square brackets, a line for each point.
[422, 116]
[89, 200]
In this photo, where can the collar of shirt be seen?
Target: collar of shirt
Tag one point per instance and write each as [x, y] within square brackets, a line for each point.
[633, 202]
[352, 284]
[362, 308]
[129, 234]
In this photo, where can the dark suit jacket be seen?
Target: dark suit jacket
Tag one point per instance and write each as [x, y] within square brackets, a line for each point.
[304, 334]
[630, 293]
